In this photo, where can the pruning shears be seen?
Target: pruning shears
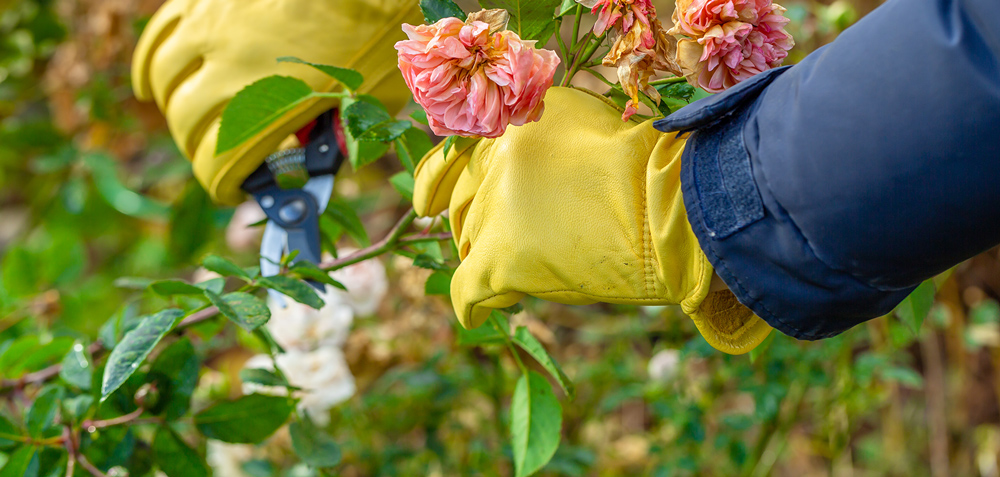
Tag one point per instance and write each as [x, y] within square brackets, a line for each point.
[293, 187]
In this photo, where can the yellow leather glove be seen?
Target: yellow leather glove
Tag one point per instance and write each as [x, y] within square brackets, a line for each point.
[195, 55]
[577, 208]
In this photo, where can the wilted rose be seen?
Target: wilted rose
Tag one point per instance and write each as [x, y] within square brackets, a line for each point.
[302, 327]
[322, 374]
[366, 284]
[473, 80]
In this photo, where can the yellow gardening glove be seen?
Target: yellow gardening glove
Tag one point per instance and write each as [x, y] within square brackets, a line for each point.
[195, 55]
[577, 208]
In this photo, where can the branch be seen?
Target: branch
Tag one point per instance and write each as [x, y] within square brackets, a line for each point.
[393, 239]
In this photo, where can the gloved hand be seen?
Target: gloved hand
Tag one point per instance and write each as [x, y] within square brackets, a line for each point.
[577, 208]
[195, 55]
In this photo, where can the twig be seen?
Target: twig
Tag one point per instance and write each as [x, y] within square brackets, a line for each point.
[113, 422]
[70, 450]
[90, 467]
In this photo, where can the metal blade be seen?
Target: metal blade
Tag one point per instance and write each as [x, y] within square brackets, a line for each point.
[272, 247]
[321, 188]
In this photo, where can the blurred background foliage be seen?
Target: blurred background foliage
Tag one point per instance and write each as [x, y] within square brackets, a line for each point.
[92, 190]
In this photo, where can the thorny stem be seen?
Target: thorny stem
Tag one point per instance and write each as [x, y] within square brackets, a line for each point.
[576, 27]
[559, 39]
[393, 239]
[581, 60]
[113, 422]
[672, 79]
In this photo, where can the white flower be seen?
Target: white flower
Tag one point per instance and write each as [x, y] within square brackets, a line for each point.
[322, 374]
[663, 365]
[226, 460]
[366, 284]
[239, 235]
[304, 328]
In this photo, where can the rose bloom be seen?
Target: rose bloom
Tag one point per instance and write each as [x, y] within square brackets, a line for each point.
[301, 327]
[609, 12]
[366, 283]
[473, 82]
[323, 375]
[732, 40]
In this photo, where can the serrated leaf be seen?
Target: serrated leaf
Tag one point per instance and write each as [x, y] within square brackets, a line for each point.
[914, 308]
[295, 289]
[135, 346]
[10, 435]
[535, 423]
[175, 458]
[362, 153]
[435, 10]
[42, 413]
[244, 309]
[309, 271]
[214, 285]
[439, 283]
[24, 462]
[351, 79]
[528, 18]
[526, 341]
[174, 287]
[263, 377]
[370, 122]
[175, 372]
[224, 267]
[77, 368]
[343, 214]
[404, 184]
[312, 445]
[258, 105]
[386, 132]
[247, 420]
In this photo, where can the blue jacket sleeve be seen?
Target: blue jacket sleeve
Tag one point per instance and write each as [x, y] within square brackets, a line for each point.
[824, 192]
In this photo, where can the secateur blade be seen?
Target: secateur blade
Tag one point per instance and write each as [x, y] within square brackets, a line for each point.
[293, 206]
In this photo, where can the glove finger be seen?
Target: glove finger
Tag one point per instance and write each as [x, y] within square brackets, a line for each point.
[474, 295]
[161, 25]
[463, 195]
[435, 176]
[197, 102]
[173, 62]
[727, 325]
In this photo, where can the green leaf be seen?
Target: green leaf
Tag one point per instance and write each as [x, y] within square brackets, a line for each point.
[420, 116]
[566, 7]
[15, 353]
[133, 283]
[426, 261]
[123, 321]
[403, 183]
[77, 368]
[411, 147]
[435, 10]
[362, 153]
[349, 78]
[449, 142]
[528, 18]
[263, 377]
[10, 435]
[526, 341]
[914, 309]
[24, 462]
[295, 289]
[174, 287]
[343, 214]
[214, 285]
[42, 356]
[77, 407]
[312, 445]
[483, 335]
[104, 170]
[258, 105]
[535, 423]
[242, 308]
[247, 420]
[175, 372]
[368, 121]
[439, 283]
[175, 458]
[309, 271]
[224, 267]
[135, 346]
[42, 413]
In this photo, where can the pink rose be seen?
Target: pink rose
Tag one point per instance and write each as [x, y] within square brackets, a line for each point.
[473, 82]
[731, 40]
[609, 12]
